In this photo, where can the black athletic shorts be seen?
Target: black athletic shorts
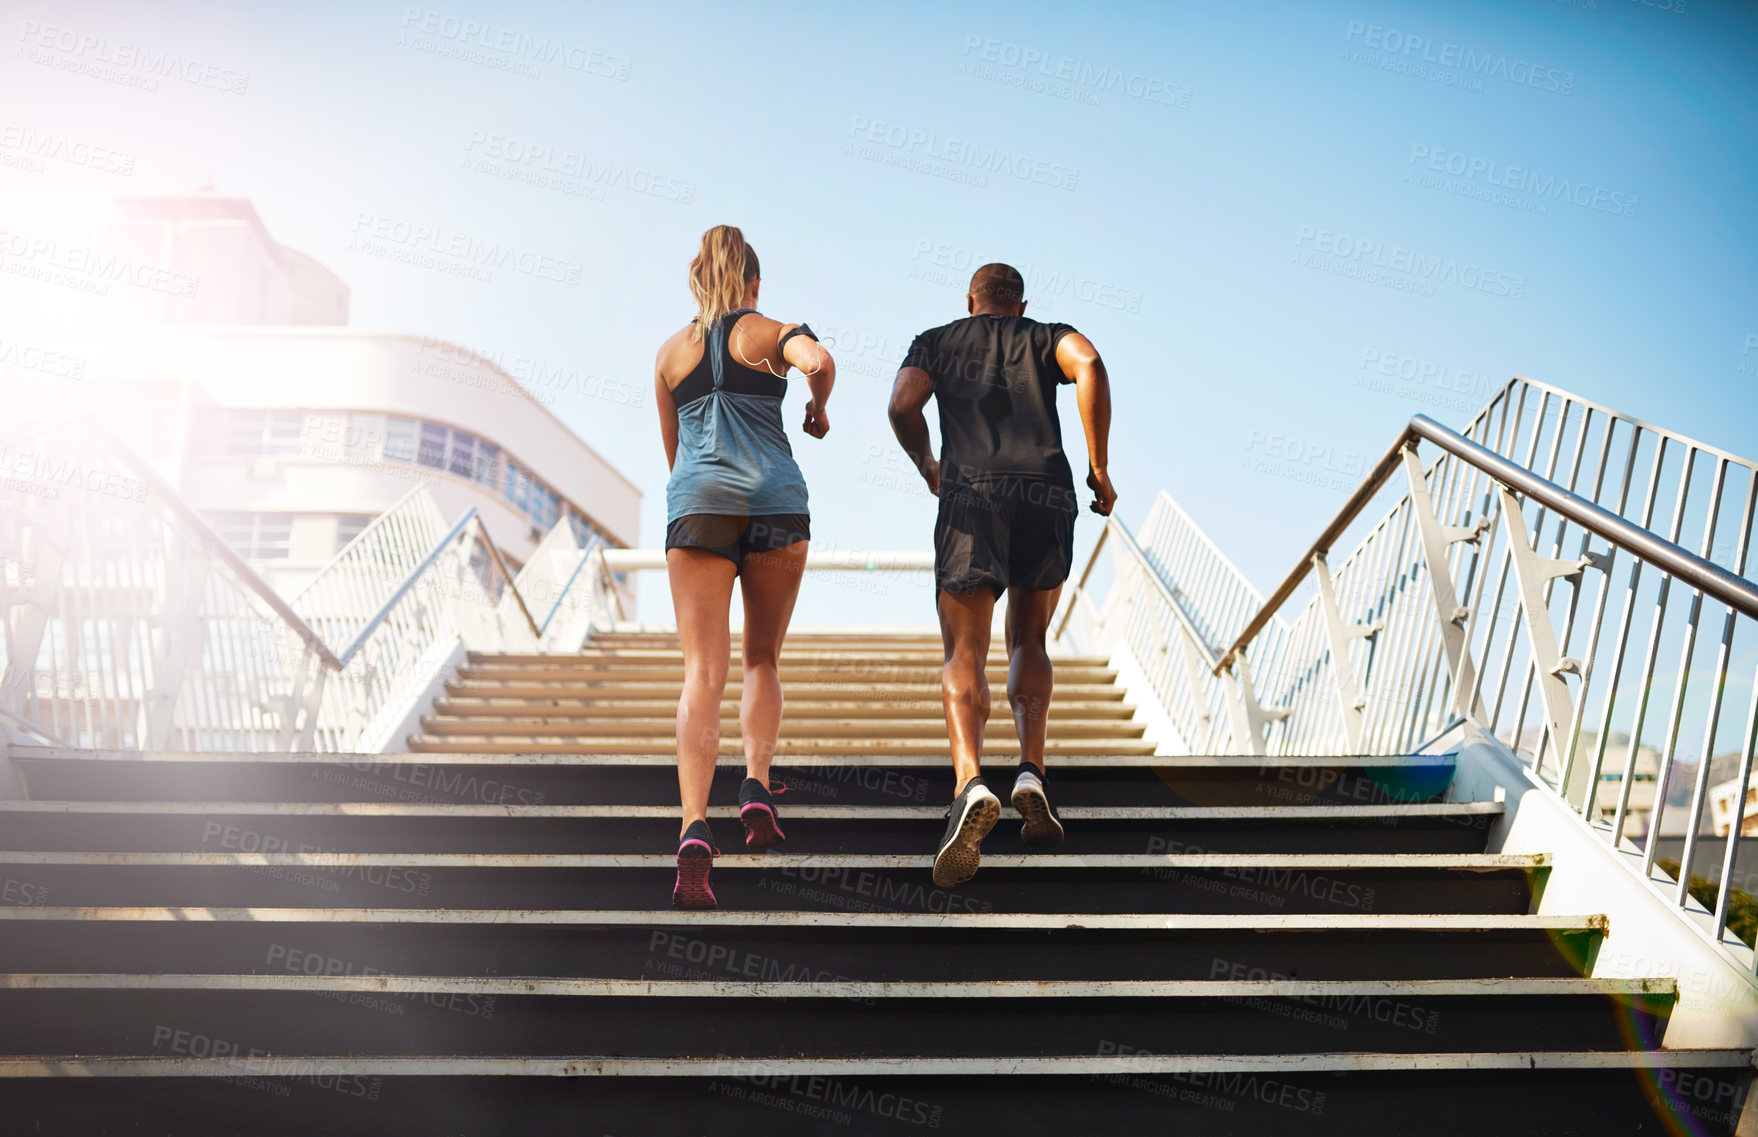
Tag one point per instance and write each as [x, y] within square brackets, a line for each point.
[1004, 532]
[735, 537]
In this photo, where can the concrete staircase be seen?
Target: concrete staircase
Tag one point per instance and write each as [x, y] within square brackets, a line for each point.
[475, 937]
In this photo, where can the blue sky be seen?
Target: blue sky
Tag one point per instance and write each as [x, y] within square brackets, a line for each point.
[1186, 183]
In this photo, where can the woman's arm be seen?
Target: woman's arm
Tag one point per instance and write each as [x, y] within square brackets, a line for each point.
[668, 411]
[819, 368]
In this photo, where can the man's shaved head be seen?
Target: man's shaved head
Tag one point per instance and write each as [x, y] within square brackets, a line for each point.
[997, 286]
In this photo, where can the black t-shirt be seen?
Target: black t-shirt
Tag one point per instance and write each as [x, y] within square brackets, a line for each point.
[995, 380]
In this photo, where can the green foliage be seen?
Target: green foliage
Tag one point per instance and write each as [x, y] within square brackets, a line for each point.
[1742, 906]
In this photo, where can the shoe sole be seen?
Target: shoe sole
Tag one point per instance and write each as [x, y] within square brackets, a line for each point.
[692, 890]
[1041, 826]
[958, 861]
[762, 830]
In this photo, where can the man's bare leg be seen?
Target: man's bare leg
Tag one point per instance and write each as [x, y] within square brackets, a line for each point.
[1030, 681]
[964, 689]
[964, 679]
[1030, 677]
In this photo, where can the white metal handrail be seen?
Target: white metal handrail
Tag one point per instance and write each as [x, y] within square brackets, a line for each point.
[129, 623]
[1487, 591]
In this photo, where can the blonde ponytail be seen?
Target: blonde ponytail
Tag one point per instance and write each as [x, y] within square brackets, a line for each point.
[718, 276]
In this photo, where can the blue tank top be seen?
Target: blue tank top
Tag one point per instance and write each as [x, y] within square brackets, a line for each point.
[733, 455]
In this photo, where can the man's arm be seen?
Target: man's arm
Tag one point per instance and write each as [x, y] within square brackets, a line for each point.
[908, 396]
[1081, 365]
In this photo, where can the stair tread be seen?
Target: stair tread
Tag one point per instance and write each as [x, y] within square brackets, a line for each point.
[801, 812]
[1655, 986]
[1300, 922]
[1136, 1062]
[1096, 761]
[1475, 862]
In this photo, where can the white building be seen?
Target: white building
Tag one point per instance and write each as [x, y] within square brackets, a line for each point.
[240, 381]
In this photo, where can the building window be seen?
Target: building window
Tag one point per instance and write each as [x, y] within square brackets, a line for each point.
[350, 526]
[256, 434]
[531, 497]
[584, 531]
[446, 448]
[256, 536]
[399, 438]
[433, 445]
[441, 447]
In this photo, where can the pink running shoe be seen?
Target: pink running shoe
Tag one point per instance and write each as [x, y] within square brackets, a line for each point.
[696, 853]
[757, 811]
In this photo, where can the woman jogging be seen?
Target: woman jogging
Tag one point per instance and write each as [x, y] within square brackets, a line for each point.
[735, 509]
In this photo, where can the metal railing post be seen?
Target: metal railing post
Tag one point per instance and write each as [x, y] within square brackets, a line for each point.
[1338, 635]
[182, 632]
[1532, 574]
[1435, 540]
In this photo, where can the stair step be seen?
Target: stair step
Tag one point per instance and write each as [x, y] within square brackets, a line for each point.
[800, 692]
[611, 671]
[288, 1012]
[1457, 827]
[1239, 883]
[876, 712]
[854, 656]
[649, 779]
[527, 721]
[1120, 1093]
[771, 946]
[999, 746]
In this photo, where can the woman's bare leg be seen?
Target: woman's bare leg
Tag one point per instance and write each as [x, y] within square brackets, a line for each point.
[701, 593]
[769, 583]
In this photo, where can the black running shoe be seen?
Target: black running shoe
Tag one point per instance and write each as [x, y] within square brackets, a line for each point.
[968, 820]
[1041, 824]
[696, 853]
[757, 811]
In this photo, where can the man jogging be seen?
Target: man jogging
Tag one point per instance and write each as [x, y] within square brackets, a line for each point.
[1006, 524]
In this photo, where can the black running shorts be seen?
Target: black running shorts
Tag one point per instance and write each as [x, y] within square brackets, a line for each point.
[1003, 533]
[735, 537]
